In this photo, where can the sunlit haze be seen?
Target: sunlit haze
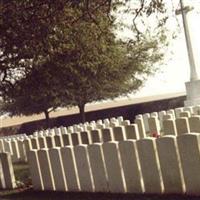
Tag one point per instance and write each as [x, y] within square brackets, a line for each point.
[176, 71]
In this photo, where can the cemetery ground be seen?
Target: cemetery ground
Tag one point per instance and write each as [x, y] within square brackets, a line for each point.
[26, 192]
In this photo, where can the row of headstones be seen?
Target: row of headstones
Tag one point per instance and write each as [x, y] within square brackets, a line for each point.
[153, 122]
[18, 148]
[13, 136]
[165, 165]
[170, 126]
[7, 177]
[87, 126]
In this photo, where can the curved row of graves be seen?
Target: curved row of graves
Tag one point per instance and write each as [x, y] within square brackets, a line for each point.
[169, 164]
[170, 122]
[112, 156]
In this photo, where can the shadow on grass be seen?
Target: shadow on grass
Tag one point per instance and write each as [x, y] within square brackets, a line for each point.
[30, 194]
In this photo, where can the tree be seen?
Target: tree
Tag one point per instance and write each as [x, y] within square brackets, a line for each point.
[34, 93]
[26, 26]
[98, 66]
[75, 39]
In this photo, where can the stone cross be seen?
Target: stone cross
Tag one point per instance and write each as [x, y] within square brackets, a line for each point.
[193, 68]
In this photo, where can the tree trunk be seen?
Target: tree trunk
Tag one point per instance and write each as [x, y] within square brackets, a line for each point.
[46, 113]
[82, 112]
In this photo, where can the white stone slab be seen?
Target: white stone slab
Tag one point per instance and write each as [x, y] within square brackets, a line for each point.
[132, 132]
[168, 116]
[114, 169]
[154, 114]
[58, 140]
[100, 126]
[160, 117]
[75, 139]
[107, 135]
[83, 168]
[120, 119]
[46, 171]
[95, 136]
[141, 128]
[34, 143]
[161, 114]
[194, 123]
[182, 125]
[119, 133]
[70, 168]
[172, 112]
[1, 146]
[196, 110]
[154, 125]
[125, 123]
[57, 169]
[22, 154]
[42, 142]
[188, 109]
[169, 127]
[131, 167]
[106, 122]
[97, 164]
[145, 121]
[7, 167]
[113, 124]
[27, 145]
[7, 146]
[170, 165]
[34, 168]
[85, 137]
[150, 166]
[50, 141]
[2, 179]
[178, 111]
[65, 138]
[189, 150]
[15, 155]
[185, 114]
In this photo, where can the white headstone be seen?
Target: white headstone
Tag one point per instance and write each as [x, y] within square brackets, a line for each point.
[46, 170]
[65, 138]
[34, 168]
[131, 167]
[132, 132]
[182, 125]
[114, 170]
[194, 123]
[178, 111]
[185, 114]
[145, 121]
[170, 165]
[70, 168]
[95, 136]
[119, 133]
[57, 169]
[107, 135]
[8, 171]
[150, 165]
[84, 169]
[189, 150]
[98, 167]
[141, 128]
[154, 125]
[169, 127]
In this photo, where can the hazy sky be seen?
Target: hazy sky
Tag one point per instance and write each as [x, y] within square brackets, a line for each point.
[175, 72]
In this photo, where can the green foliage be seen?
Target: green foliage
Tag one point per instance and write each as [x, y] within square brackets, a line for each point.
[65, 53]
[32, 94]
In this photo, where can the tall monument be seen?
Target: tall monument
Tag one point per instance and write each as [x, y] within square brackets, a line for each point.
[193, 86]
